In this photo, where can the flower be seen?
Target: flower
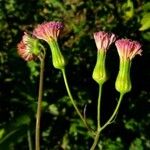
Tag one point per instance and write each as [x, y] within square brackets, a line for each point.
[128, 48]
[103, 40]
[48, 30]
[28, 47]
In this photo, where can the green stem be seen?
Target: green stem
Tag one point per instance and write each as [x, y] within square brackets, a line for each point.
[38, 115]
[99, 108]
[29, 139]
[96, 139]
[114, 113]
[73, 102]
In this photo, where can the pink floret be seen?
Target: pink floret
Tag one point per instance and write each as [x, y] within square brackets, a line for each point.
[103, 40]
[48, 30]
[128, 48]
[24, 48]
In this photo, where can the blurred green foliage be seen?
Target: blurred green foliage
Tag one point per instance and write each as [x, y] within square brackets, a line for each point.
[61, 127]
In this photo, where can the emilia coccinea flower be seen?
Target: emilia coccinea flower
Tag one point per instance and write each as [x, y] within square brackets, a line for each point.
[28, 48]
[127, 50]
[49, 32]
[103, 41]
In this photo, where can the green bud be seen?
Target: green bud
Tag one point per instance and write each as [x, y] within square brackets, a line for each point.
[123, 81]
[57, 58]
[99, 73]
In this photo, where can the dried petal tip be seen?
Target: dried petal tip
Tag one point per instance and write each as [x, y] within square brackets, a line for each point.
[27, 48]
[48, 30]
[103, 40]
[127, 49]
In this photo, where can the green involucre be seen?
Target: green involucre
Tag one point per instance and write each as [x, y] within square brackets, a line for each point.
[123, 81]
[57, 57]
[99, 73]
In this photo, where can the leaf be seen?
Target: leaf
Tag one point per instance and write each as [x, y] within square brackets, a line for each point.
[2, 131]
[128, 9]
[136, 145]
[145, 22]
[146, 35]
[33, 66]
[146, 7]
[53, 109]
[12, 137]
[131, 125]
[22, 120]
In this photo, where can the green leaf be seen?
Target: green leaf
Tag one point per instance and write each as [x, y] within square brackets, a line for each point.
[12, 137]
[131, 125]
[136, 145]
[53, 109]
[22, 120]
[33, 66]
[146, 7]
[2, 131]
[113, 145]
[128, 9]
[145, 22]
[146, 35]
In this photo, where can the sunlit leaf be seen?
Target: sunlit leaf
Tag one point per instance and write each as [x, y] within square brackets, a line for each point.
[145, 22]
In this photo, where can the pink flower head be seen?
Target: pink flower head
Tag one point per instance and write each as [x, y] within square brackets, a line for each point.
[48, 30]
[25, 48]
[103, 40]
[128, 48]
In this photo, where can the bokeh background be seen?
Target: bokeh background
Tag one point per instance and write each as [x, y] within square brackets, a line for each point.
[61, 127]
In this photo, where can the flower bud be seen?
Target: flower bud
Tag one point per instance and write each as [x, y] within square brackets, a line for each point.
[127, 50]
[49, 32]
[103, 41]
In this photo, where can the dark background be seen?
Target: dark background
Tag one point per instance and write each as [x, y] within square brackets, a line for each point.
[61, 127]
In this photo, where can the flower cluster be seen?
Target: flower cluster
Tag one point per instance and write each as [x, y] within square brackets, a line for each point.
[29, 49]
[50, 31]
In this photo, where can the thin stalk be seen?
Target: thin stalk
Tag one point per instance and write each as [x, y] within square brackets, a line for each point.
[99, 108]
[38, 115]
[73, 102]
[114, 113]
[29, 139]
[96, 139]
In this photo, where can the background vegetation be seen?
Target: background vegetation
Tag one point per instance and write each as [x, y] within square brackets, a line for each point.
[61, 127]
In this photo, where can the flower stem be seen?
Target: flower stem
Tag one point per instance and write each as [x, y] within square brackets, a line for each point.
[99, 107]
[96, 139]
[73, 102]
[114, 113]
[29, 139]
[38, 115]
